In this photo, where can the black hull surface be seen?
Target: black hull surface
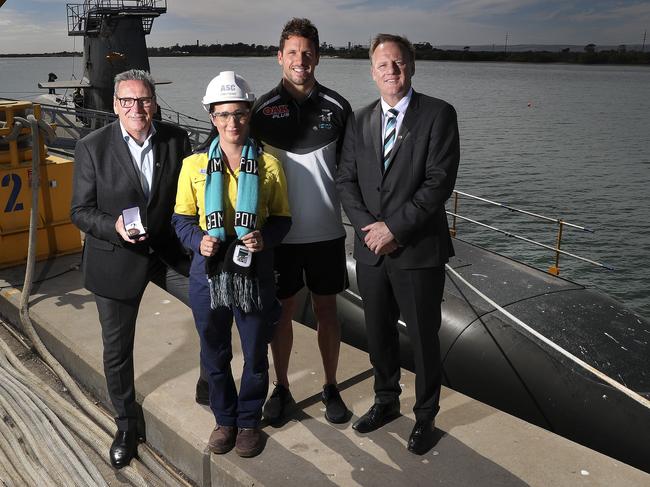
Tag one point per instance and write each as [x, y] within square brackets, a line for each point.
[490, 358]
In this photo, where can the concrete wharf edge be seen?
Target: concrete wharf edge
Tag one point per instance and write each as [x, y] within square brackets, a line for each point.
[478, 445]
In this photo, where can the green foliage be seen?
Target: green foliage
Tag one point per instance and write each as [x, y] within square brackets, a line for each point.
[423, 51]
[235, 50]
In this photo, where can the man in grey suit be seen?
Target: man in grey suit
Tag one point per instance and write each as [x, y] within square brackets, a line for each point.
[130, 163]
[398, 167]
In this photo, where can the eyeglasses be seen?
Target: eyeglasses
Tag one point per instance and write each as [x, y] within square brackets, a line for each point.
[238, 115]
[128, 102]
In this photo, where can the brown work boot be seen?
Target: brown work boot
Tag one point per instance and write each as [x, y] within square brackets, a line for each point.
[249, 442]
[222, 439]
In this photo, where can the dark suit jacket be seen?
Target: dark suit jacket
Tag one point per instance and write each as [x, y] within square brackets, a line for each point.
[410, 196]
[105, 183]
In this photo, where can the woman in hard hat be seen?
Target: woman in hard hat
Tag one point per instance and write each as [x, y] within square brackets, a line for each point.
[231, 210]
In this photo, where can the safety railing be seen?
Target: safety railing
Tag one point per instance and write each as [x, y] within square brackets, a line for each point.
[87, 17]
[74, 123]
[560, 223]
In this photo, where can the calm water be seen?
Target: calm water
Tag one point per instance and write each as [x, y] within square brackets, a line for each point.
[565, 141]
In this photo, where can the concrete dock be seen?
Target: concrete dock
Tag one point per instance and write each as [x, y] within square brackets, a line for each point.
[478, 445]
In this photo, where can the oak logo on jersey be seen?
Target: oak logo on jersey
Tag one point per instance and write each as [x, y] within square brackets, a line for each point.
[276, 111]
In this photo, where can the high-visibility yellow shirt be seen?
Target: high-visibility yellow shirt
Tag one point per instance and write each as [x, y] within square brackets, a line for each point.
[272, 199]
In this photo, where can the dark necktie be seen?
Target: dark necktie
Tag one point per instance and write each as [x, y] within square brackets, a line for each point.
[389, 138]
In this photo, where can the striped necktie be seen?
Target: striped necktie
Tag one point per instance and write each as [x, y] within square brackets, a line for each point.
[389, 138]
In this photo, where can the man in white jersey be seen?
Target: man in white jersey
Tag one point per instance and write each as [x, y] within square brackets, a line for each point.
[302, 123]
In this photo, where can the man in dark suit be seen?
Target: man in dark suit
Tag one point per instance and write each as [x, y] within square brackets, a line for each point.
[398, 167]
[130, 163]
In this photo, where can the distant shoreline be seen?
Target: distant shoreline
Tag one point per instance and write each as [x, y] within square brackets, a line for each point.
[44, 54]
[589, 55]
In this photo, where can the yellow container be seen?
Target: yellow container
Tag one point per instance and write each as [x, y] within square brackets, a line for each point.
[17, 151]
[56, 234]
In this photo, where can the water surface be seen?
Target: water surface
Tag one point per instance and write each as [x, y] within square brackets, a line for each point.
[567, 141]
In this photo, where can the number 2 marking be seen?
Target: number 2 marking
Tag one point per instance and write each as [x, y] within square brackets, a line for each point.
[15, 191]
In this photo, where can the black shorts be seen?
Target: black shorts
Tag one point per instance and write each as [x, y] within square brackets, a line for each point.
[321, 263]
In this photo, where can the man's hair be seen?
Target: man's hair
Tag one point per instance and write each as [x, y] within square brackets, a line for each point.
[136, 75]
[404, 44]
[300, 28]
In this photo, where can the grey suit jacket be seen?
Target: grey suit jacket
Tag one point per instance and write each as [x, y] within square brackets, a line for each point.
[410, 195]
[105, 182]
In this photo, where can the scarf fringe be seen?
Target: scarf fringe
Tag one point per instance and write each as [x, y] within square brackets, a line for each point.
[230, 289]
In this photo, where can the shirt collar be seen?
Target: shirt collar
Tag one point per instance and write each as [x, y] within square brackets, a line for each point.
[286, 96]
[401, 105]
[127, 137]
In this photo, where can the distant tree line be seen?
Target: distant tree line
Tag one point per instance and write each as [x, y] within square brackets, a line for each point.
[588, 55]
[46, 54]
[238, 49]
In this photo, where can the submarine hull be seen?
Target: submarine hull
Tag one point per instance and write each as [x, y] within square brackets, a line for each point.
[487, 356]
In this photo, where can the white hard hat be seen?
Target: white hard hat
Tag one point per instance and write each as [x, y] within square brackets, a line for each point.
[227, 87]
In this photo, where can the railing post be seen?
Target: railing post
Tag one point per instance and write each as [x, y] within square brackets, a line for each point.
[452, 230]
[555, 269]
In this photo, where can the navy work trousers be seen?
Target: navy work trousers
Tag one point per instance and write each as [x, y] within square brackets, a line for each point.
[243, 409]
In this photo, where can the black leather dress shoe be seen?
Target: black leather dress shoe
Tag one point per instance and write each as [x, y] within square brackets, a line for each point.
[123, 448]
[421, 439]
[202, 396]
[376, 417]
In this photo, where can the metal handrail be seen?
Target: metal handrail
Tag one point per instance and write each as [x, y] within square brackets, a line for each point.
[64, 117]
[519, 210]
[79, 14]
[554, 269]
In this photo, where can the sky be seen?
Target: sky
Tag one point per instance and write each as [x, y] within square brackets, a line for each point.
[36, 26]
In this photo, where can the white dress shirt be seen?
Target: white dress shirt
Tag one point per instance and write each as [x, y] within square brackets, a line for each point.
[142, 157]
[401, 107]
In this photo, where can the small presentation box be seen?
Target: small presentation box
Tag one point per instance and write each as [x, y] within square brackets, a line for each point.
[133, 222]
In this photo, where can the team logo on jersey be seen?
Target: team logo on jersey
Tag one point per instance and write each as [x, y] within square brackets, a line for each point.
[276, 111]
[325, 119]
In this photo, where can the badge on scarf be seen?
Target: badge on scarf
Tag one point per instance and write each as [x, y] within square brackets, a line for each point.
[242, 256]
